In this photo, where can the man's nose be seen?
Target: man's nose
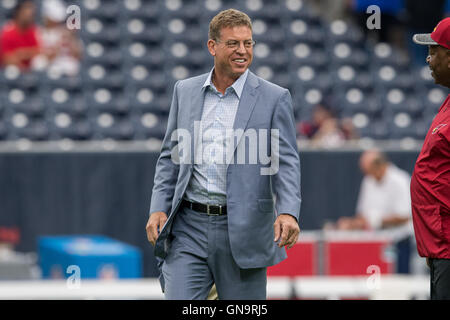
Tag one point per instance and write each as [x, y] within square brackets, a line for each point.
[241, 48]
[428, 59]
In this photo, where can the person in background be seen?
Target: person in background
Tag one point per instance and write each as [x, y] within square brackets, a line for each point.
[61, 48]
[325, 129]
[384, 199]
[430, 191]
[19, 38]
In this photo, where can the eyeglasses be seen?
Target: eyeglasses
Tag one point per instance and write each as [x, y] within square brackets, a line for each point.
[234, 44]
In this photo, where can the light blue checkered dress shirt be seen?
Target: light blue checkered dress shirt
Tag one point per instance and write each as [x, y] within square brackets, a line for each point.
[208, 184]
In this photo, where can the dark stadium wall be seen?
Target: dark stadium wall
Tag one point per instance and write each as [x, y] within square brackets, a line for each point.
[108, 193]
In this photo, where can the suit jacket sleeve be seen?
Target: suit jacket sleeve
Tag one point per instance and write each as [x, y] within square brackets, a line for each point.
[286, 182]
[166, 172]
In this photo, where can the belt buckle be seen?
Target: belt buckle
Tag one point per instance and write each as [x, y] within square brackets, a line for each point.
[213, 214]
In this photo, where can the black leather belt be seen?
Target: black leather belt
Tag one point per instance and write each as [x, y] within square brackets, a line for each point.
[205, 208]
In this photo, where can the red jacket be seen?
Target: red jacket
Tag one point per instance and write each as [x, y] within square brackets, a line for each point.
[430, 189]
[12, 38]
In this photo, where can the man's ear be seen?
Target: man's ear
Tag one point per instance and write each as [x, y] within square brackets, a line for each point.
[211, 47]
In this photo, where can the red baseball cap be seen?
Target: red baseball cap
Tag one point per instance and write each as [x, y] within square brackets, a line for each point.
[439, 36]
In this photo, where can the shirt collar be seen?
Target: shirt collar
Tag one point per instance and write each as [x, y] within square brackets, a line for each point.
[238, 85]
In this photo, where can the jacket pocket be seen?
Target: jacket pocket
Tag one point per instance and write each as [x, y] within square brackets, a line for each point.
[266, 205]
[428, 229]
[445, 224]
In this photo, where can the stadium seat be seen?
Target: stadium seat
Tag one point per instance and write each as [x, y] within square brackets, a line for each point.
[108, 126]
[188, 54]
[64, 126]
[304, 101]
[104, 54]
[354, 100]
[61, 99]
[143, 53]
[402, 132]
[140, 75]
[102, 31]
[376, 129]
[144, 30]
[344, 54]
[27, 102]
[346, 76]
[360, 119]
[388, 76]
[303, 54]
[384, 54]
[11, 77]
[397, 100]
[340, 31]
[142, 99]
[190, 32]
[305, 77]
[423, 78]
[298, 9]
[273, 37]
[149, 125]
[299, 30]
[209, 8]
[432, 99]
[262, 9]
[29, 128]
[141, 9]
[95, 76]
[275, 57]
[49, 80]
[187, 9]
[106, 100]
[102, 9]
[147, 99]
[178, 72]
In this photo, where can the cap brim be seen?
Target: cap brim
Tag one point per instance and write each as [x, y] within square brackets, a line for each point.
[424, 39]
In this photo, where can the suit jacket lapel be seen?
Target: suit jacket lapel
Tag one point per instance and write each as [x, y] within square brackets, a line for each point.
[246, 106]
[196, 110]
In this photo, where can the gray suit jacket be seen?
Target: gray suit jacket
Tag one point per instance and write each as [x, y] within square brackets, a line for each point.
[253, 200]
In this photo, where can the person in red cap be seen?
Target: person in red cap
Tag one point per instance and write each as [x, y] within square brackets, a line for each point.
[430, 182]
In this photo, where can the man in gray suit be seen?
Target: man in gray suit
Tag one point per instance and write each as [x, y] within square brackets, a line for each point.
[221, 211]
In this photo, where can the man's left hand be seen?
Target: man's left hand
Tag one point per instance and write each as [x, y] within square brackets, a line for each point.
[287, 228]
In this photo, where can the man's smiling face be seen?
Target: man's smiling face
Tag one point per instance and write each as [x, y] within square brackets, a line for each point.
[233, 61]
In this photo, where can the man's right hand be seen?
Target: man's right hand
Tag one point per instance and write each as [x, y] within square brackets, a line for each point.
[155, 221]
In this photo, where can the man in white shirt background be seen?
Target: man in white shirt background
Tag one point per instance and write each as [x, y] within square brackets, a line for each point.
[384, 199]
